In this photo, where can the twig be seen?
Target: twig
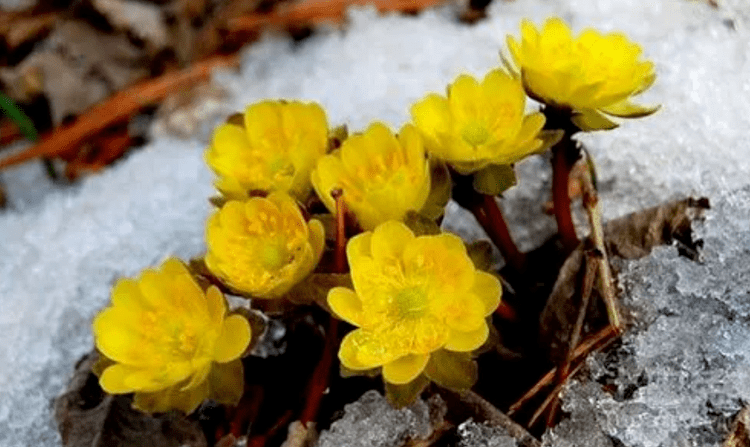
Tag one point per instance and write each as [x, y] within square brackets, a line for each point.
[483, 411]
[318, 11]
[563, 372]
[598, 340]
[554, 395]
[594, 211]
[117, 109]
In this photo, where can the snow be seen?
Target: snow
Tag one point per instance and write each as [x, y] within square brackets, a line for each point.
[63, 248]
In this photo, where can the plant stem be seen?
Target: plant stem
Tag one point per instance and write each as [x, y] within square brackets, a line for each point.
[561, 165]
[500, 234]
[489, 215]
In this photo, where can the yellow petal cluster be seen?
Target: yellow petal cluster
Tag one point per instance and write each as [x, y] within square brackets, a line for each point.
[479, 122]
[273, 148]
[262, 246]
[412, 296]
[172, 344]
[382, 176]
[590, 73]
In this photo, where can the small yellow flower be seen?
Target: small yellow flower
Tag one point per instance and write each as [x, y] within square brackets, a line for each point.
[412, 296]
[275, 149]
[590, 74]
[262, 246]
[382, 176]
[172, 345]
[479, 122]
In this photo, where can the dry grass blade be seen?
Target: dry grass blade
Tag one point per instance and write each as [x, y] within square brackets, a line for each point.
[318, 11]
[118, 108]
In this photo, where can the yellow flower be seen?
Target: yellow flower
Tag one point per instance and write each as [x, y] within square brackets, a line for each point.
[172, 345]
[275, 149]
[412, 296]
[262, 246]
[590, 74]
[382, 176]
[479, 123]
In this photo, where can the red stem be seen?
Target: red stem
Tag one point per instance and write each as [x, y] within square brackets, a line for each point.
[560, 196]
[340, 253]
[321, 375]
[490, 217]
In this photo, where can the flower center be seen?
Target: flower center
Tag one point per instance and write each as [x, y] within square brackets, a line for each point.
[411, 302]
[273, 256]
[475, 133]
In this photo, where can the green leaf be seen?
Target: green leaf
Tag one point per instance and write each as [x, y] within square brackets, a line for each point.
[420, 225]
[590, 119]
[102, 362]
[218, 201]
[402, 395]
[549, 138]
[480, 253]
[347, 372]
[314, 288]
[237, 119]
[337, 136]
[626, 109]
[456, 371]
[493, 180]
[17, 115]
[440, 189]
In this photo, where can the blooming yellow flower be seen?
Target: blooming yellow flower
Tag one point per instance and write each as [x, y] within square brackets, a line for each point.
[262, 246]
[412, 296]
[479, 122]
[172, 345]
[275, 149]
[382, 176]
[590, 74]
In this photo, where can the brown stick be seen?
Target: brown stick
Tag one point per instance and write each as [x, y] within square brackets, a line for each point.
[318, 11]
[118, 108]
[604, 337]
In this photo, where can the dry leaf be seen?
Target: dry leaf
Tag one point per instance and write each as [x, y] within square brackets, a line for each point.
[86, 416]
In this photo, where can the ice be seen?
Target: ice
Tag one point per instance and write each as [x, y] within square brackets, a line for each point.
[372, 422]
[63, 247]
[472, 434]
[684, 371]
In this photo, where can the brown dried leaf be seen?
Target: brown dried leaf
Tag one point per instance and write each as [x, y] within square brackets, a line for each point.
[142, 19]
[86, 416]
[633, 236]
[740, 435]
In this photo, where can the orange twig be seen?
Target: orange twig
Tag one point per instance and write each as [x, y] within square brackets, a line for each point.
[117, 109]
[599, 340]
[317, 11]
[9, 132]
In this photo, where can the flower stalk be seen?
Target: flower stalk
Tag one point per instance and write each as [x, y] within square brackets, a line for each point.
[489, 215]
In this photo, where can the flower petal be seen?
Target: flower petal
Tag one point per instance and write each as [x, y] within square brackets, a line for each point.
[460, 341]
[362, 349]
[627, 109]
[226, 382]
[487, 288]
[589, 120]
[405, 369]
[345, 303]
[171, 398]
[388, 241]
[216, 305]
[233, 340]
[112, 379]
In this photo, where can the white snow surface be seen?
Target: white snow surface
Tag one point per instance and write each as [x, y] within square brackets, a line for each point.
[61, 250]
